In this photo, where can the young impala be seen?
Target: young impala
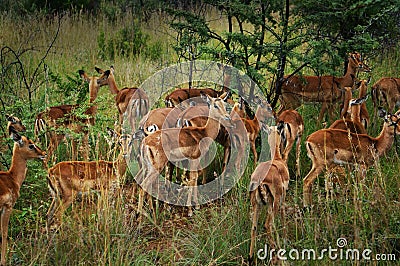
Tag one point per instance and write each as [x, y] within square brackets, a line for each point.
[68, 178]
[294, 131]
[11, 181]
[268, 185]
[178, 144]
[327, 147]
[321, 89]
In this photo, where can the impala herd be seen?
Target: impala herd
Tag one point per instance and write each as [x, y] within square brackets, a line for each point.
[181, 134]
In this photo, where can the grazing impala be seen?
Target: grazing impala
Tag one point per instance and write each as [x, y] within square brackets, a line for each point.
[57, 117]
[294, 131]
[68, 178]
[132, 101]
[327, 147]
[386, 91]
[11, 181]
[178, 144]
[322, 89]
[268, 185]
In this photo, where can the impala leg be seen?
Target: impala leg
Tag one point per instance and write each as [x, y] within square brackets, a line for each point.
[192, 185]
[85, 145]
[65, 202]
[254, 221]
[331, 107]
[283, 212]
[227, 150]
[298, 143]
[5, 218]
[50, 213]
[74, 150]
[254, 151]
[307, 184]
[322, 112]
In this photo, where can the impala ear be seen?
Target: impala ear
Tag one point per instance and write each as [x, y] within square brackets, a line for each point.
[11, 118]
[99, 70]
[205, 97]
[84, 76]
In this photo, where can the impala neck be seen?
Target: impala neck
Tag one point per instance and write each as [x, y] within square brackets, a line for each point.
[276, 153]
[385, 140]
[93, 90]
[362, 90]
[255, 119]
[212, 127]
[18, 167]
[347, 97]
[355, 113]
[113, 86]
[347, 79]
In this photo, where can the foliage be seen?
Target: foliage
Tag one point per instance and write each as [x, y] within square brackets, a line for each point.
[100, 230]
[272, 37]
[357, 25]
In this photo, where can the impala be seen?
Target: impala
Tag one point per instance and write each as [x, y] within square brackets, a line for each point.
[133, 102]
[197, 116]
[178, 144]
[268, 185]
[182, 94]
[363, 94]
[327, 147]
[68, 178]
[322, 89]
[294, 127]
[15, 124]
[57, 117]
[387, 91]
[11, 181]
[351, 114]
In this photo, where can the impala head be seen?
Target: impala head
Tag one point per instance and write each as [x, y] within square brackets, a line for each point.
[14, 123]
[276, 137]
[26, 148]
[95, 82]
[358, 101]
[110, 80]
[217, 109]
[356, 60]
[264, 110]
[125, 140]
[391, 120]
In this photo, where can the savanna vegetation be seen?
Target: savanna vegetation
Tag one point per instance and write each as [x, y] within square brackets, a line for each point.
[44, 44]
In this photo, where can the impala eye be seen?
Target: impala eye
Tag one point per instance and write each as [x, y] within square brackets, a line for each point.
[31, 146]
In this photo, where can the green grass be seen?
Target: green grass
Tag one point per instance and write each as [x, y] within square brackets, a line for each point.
[98, 233]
